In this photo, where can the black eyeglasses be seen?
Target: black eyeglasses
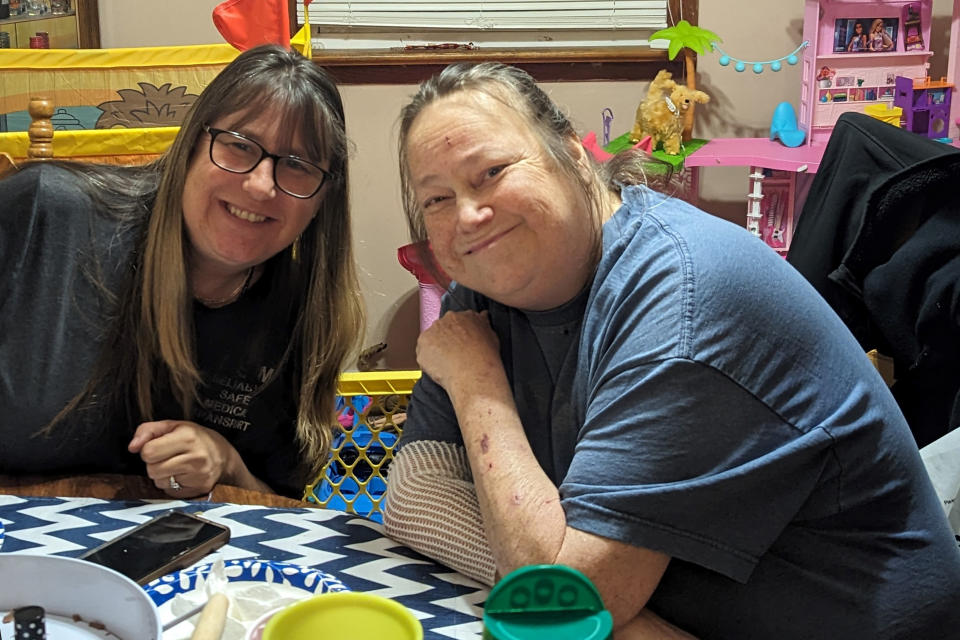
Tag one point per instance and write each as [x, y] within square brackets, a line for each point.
[237, 153]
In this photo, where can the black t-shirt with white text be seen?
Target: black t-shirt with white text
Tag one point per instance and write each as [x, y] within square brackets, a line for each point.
[54, 321]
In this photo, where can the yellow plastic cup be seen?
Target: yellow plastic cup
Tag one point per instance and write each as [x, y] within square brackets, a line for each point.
[344, 614]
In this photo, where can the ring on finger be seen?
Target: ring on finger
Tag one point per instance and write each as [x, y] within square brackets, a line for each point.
[174, 485]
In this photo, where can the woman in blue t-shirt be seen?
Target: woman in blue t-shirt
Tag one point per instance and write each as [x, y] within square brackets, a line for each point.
[625, 384]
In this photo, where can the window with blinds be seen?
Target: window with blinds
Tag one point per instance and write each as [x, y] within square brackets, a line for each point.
[405, 24]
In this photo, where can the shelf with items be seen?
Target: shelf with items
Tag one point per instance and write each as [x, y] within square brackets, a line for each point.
[28, 18]
[856, 94]
[61, 30]
[888, 55]
[857, 49]
[852, 88]
[77, 27]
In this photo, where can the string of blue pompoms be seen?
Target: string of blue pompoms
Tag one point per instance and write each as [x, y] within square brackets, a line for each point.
[776, 65]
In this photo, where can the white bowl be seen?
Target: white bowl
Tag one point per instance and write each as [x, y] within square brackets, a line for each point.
[69, 588]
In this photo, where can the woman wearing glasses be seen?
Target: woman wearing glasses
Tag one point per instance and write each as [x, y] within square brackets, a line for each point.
[188, 318]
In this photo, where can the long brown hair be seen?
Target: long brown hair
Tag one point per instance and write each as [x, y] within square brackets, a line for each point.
[154, 317]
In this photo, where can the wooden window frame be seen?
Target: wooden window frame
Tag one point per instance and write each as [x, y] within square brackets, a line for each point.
[88, 23]
[545, 64]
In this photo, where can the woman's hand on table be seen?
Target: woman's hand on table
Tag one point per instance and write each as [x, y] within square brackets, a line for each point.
[196, 457]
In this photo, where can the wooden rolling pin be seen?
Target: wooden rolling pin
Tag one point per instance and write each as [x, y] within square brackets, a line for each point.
[212, 618]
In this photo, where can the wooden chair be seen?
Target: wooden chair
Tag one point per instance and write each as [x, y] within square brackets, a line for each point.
[40, 135]
[111, 146]
[41, 128]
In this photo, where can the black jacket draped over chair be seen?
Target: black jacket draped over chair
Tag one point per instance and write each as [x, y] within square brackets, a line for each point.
[879, 237]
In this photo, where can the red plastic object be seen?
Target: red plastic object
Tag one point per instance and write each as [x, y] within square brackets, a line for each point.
[409, 257]
[248, 23]
[430, 290]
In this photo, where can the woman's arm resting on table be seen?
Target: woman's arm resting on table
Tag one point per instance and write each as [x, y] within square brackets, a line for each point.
[432, 507]
[520, 506]
[196, 456]
[524, 519]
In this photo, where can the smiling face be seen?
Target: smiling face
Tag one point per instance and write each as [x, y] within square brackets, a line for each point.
[235, 221]
[501, 217]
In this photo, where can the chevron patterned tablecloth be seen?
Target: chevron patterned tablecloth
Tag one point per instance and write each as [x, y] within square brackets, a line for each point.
[355, 550]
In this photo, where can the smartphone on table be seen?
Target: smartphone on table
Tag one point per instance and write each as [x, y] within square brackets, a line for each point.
[172, 540]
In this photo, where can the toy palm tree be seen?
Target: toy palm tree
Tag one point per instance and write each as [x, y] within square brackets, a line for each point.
[684, 36]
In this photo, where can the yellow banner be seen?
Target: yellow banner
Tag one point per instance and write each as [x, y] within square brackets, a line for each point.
[181, 56]
[99, 142]
[107, 88]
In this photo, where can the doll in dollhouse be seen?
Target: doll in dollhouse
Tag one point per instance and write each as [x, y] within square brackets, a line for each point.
[858, 39]
[825, 77]
[912, 33]
[878, 39]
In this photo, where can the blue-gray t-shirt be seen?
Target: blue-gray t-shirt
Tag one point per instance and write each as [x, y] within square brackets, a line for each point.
[711, 406]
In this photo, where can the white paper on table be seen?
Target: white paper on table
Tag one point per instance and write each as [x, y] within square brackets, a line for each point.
[942, 459]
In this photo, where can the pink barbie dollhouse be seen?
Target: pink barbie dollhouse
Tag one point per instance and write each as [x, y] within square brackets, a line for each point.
[841, 72]
[863, 77]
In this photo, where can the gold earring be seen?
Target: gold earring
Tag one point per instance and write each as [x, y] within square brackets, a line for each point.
[295, 249]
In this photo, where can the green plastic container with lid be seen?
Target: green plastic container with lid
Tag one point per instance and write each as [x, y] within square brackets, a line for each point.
[546, 602]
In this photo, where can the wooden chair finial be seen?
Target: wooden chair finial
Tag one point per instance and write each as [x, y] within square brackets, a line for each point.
[41, 129]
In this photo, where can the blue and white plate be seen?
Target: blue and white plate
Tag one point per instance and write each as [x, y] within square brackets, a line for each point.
[254, 587]
[1, 534]
[289, 576]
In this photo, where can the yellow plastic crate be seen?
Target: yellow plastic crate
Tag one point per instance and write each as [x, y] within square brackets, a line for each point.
[371, 410]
